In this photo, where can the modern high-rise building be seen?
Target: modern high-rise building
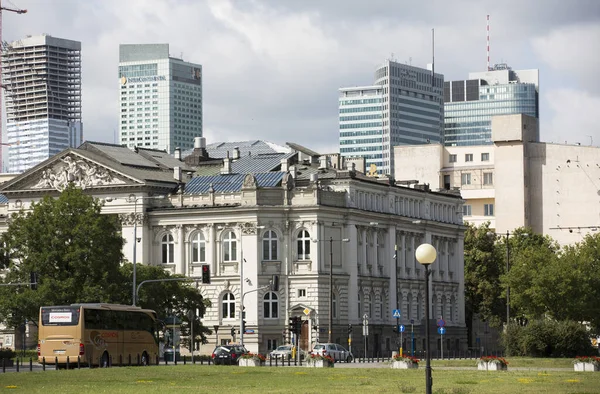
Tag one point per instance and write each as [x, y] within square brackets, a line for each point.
[470, 104]
[160, 98]
[42, 80]
[404, 106]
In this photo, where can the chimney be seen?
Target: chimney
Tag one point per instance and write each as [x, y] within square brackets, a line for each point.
[314, 178]
[284, 165]
[293, 171]
[177, 173]
[177, 153]
[199, 142]
[236, 153]
[350, 166]
[226, 165]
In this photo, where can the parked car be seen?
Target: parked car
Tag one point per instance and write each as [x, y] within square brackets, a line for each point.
[284, 352]
[335, 351]
[228, 354]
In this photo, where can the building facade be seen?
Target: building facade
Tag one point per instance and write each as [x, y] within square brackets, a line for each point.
[42, 80]
[160, 98]
[469, 105]
[516, 181]
[308, 223]
[404, 106]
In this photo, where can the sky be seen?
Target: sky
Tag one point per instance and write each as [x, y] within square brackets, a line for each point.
[272, 68]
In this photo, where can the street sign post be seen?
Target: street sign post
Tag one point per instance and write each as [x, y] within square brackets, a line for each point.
[401, 329]
[442, 331]
[412, 337]
[365, 331]
[396, 314]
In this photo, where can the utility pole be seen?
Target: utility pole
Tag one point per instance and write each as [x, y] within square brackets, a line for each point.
[18, 11]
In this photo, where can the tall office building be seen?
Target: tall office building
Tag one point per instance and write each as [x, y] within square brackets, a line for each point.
[404, 106]
[160, 98]
[470, 104]
[42, 79]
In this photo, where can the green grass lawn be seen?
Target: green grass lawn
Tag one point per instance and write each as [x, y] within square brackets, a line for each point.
[220, 379]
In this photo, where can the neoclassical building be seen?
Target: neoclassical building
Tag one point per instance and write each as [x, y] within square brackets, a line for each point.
[294, 216]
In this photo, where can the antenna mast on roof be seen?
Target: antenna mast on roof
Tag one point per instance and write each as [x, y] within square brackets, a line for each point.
[433, 58]
[488, 42]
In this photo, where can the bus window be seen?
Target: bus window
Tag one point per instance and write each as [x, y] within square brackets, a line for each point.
[60, 316]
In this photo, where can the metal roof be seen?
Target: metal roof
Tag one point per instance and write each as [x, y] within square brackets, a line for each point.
[124, 155]
[230, 182]
[255, 147]
[263, 162]
[3, 199]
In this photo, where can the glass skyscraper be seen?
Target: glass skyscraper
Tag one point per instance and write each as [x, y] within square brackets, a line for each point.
[470, 104]
[160, 98]
[403, 107]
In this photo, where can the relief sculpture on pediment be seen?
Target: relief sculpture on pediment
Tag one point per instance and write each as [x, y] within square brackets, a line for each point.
[77, 171]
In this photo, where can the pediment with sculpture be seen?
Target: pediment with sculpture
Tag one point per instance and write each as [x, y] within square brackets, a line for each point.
[73, 169]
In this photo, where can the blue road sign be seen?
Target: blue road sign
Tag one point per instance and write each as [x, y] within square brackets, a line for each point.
[441, 330]
[412, 321]
[401, 328]
[396, 313]
[441, 323]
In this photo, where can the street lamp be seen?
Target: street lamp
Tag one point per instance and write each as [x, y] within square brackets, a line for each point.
[426, 255]
[330, 317]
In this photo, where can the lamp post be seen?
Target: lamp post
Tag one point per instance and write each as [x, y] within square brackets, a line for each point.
[426, 255]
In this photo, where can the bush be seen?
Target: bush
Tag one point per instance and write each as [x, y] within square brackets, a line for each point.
[7, 353]
[548, 338]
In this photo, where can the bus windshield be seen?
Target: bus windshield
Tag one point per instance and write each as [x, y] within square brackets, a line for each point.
[60, 316]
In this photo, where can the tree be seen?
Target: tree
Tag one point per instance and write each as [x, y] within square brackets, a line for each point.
[483, 267]
[74, 250]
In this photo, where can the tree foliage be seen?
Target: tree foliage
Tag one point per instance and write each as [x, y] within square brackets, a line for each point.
[76, 253]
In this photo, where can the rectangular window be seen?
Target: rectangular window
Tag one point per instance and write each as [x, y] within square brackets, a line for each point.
[468, 157]
[466, 210]
[485, 157]
[465, 179]
[488, 178]
[301, 293]
[488, 209]
[452, 158]
[447, 182]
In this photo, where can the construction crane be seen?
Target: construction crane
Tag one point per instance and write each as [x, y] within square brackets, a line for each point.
[18, 11]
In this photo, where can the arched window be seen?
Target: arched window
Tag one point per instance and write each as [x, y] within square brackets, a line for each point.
[372, 305]
[419, 307]
[228, 306]
[270, 246]
[168, 249]
[359, 308]
[198, 248]
[444, 307]
[304, 245]
[380, 313]
[452, 301]
[334, 305]
[409, 306]
[368, 305]
[229, 247]
[271, 305]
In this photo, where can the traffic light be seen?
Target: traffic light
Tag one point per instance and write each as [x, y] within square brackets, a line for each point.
[33, 281]
[275, 283]
[396, 328]
[243, 329]
[298, 325]
[349, 328]
[206, 274]
[232, 331]
[293, 324]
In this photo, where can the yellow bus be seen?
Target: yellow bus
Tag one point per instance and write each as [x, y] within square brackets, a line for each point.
[97, 334]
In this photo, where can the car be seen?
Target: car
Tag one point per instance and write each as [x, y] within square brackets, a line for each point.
[335, 351]
[284, 352]
[228, 354]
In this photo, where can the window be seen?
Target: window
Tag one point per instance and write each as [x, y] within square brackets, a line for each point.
[168, 249]
[452, 158]
[466, 210]
[304, 245]
[228, 306]
[468, 157]
[465, 179]
[485, 157]
[334, 306]
[488, 209]
[408, 306]
[418, 307]
[488, 178]
[271, 306]
[380, 312]
[270, 246]
[229, 247]
[198, 248]
[359, 308]
[301, 293]
[447, 184]
[271, 344]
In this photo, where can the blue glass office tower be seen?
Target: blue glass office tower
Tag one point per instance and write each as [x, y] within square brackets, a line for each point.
[403, 107]
[470, 104]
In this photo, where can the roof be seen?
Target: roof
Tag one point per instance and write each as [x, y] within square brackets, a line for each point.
[3, 199]
[263, 162]
[230, 182]
[303, 149]
[254, 147]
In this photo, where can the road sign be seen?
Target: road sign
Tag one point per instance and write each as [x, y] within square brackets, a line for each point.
[441, 330]
[412, 321]
[306, 311]
[401, 328]
[249, 331]
[396, 314]
[441, 323]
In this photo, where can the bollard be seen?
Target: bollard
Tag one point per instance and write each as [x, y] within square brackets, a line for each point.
[17, 360]
[110, 362]
[43, 363]
[56, 363]
[67, 363]
[120, 360]
[30, 364]
[129, 357]
[3, 365]
[166, 361]
[138, 359]
[78, 362]
[174, 357]
[194, 360]
[157, 359]
[184, 357]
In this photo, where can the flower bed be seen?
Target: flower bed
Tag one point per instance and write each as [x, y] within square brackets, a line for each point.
[586, 363]
[492, 363]
[318, 361]
[251, 360]
[405, 362]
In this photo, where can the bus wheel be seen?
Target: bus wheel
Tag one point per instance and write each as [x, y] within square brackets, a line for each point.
[104, 360]
[145, 359]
